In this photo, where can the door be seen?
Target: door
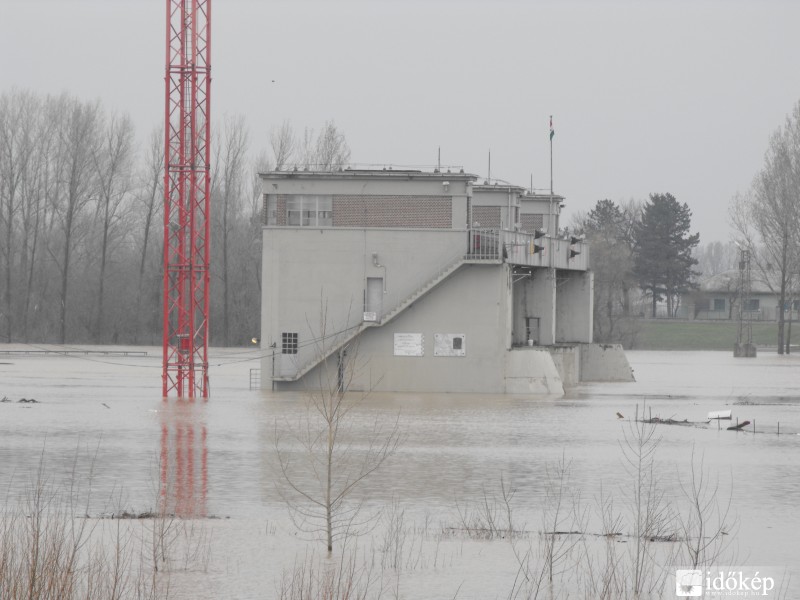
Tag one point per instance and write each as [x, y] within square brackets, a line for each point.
[375, 296]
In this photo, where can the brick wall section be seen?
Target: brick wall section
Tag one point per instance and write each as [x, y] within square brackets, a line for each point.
[487, 216]
[418, 212]
[280, 217]
[281, 209]
[529, 223]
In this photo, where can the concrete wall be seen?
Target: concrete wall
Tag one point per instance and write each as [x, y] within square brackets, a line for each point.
[584, 363]
[472, 302]
[604, 362]
[532, 371]
[543, 205]
[502, 197]
[567, 360]
[535, 296]
[574, 301]
[305, 269]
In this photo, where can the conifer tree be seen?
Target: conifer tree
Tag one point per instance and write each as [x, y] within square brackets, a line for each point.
[663, 250]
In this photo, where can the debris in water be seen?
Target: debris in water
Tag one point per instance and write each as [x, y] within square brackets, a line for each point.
[739, 426]
[720, 414]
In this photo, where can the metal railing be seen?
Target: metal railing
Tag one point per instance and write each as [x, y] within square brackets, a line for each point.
[484, 244]
[521, 248]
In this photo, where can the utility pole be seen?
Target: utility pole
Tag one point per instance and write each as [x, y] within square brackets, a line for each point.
[187, 216]
[744, 340]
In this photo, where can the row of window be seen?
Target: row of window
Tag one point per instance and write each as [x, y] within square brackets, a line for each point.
[309, 211]
[302, 211]
[720, 305]
[751, 304]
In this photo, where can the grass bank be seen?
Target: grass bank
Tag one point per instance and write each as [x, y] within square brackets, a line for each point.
[702, 335]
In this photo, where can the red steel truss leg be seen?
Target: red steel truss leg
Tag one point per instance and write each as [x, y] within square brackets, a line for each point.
[187, 232]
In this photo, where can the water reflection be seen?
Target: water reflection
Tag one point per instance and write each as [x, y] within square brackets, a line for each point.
[183, 459]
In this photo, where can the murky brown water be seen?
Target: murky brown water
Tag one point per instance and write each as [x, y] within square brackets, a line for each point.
[217, 458]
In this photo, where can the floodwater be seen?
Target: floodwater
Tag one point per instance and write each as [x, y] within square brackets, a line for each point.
[216, 461]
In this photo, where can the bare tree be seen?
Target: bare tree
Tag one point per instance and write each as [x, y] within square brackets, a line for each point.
[38, 186]
[17, 138]
[284, 145]
[650, 517]
[609, 229]
[112, 159]
[229, 183]
[766, 218]
[77, 136]
[332, 151]
[148, 202]
[707, 519]
[716, 257]
[79, 257]
[326, 151]
[334, 457]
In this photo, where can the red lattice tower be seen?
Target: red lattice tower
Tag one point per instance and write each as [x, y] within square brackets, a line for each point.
[186, 198]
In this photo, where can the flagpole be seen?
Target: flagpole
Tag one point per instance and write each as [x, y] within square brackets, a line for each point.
[550, 203]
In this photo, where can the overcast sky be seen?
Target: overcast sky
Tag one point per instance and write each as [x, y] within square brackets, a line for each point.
[646, 96]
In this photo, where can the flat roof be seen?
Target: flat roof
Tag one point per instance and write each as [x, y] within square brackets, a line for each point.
[498, 187]
[369, 174]
[543, 197]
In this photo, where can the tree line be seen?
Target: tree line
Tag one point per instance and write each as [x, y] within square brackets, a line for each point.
[81, 221]
[766, 220]
[638, 250]
[645, 251]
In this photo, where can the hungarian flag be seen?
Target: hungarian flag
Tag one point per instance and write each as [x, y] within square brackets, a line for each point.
[552, 131]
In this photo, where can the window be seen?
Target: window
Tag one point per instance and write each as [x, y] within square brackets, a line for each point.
[752, 304]
[309, 211]
[289, 343]
[794, 305]
[270, 209]
[719, 304]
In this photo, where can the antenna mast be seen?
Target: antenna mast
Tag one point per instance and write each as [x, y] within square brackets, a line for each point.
[186, 198]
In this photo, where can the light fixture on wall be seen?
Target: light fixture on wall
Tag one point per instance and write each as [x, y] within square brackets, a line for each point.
[376, 263]
[446, 186]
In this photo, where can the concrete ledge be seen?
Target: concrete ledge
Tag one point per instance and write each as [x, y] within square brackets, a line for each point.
[567, 360]
[532, 371]
[604, 362]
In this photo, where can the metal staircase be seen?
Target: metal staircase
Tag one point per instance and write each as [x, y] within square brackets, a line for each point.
[426, 287]
[385, 318]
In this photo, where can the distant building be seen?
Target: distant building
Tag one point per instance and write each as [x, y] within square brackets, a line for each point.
[717, 298]
[443, 284]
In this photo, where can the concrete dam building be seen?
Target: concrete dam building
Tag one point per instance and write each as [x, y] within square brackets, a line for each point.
[429, 281]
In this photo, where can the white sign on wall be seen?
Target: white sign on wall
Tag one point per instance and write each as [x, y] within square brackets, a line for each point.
[449, 344]
[409, 344]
